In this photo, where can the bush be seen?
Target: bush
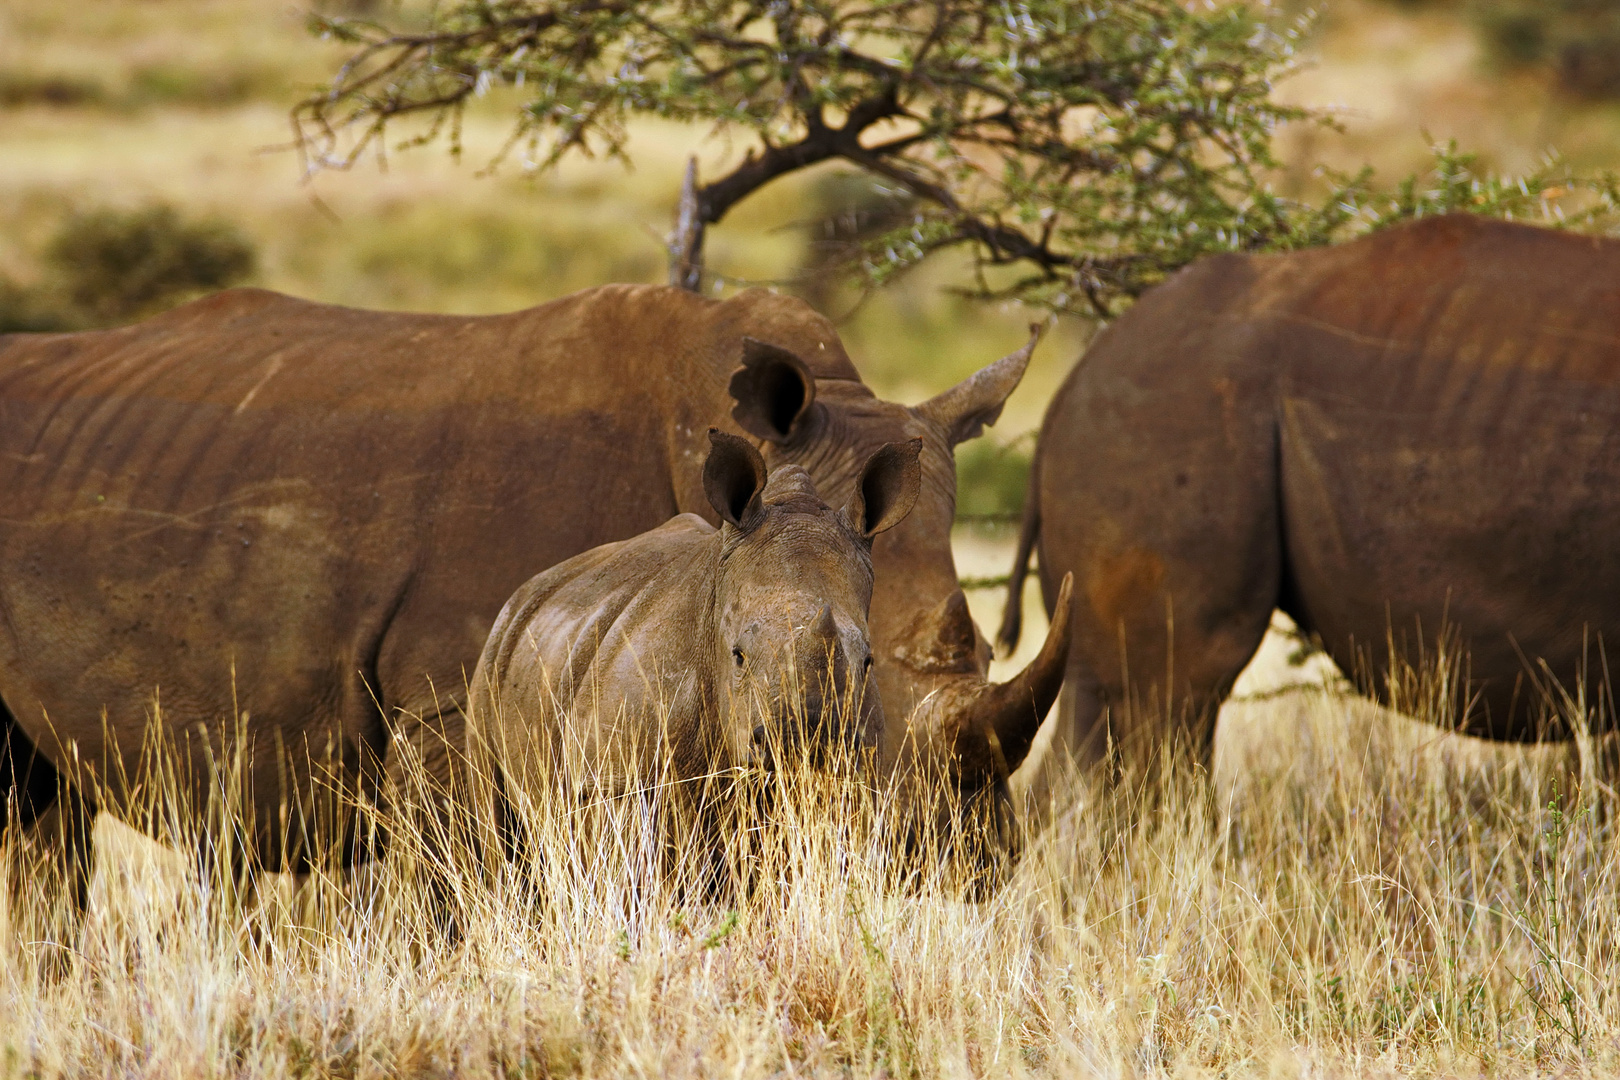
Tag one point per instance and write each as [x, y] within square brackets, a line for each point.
[25, 309]
[1578, 39]
[165, 84]
[107, 267]
[851, 211]
[116, 266]
[991, 479]
[19, 89]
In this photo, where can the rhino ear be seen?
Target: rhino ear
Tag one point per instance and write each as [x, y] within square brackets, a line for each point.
[733, 477]
[773, 389]
[973, 404]
[887, 489]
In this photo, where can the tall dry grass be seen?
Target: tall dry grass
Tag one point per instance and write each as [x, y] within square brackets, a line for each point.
[1352, 893]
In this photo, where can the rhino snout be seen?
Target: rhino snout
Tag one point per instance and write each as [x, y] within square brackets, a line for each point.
[833, 663]
[815, 699]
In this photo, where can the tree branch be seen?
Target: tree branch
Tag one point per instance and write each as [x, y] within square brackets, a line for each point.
[686, 243]
[996, 140]
[821, 143]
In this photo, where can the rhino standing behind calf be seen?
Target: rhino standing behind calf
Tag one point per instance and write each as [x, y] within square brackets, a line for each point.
[688, 650]
[284, 529]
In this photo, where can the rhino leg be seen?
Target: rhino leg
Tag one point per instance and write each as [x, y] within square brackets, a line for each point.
[423, 766]
[425, 797]
[57, 822]
[510, 835]
[1166, 619]
[1158, 489]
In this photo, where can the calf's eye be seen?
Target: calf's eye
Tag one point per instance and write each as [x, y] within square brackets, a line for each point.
[866, 665]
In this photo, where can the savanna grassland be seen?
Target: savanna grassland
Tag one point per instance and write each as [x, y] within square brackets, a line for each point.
[1350, 893]
[1365, 898]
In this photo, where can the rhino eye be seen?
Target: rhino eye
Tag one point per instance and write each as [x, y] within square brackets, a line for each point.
[866, 665]
[737, 656]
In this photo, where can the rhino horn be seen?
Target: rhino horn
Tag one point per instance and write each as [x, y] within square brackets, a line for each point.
[955, 625]
[825, 627]
[1007, 715]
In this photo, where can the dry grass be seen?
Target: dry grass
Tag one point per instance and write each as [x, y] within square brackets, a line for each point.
[1354, 894]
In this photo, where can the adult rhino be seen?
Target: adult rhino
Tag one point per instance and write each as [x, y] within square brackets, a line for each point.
[1412, 435]
[292, 525]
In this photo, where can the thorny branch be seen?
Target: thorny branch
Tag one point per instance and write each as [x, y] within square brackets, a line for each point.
[1095, 146]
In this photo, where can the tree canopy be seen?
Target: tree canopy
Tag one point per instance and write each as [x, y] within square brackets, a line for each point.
[1079, 149]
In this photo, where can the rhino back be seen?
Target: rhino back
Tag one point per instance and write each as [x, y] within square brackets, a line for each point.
[603, 664]
[1449, 425]
[261, 505]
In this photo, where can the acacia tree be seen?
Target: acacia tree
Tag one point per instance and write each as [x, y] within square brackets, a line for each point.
[1079, 149]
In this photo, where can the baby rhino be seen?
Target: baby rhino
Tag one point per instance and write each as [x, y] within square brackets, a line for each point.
[688, 649]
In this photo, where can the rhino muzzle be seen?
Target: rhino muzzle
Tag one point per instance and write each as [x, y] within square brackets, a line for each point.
[824, 707]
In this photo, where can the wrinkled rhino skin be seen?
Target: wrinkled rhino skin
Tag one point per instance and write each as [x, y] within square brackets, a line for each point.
[688, 651]
[293, 524]
[1414, 431]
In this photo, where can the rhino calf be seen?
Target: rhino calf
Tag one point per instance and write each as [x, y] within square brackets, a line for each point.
[688, 649]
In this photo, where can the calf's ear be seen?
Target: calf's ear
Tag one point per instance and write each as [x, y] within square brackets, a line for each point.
[887, 488]
[973, 404]
[733, 477]
[773, 389]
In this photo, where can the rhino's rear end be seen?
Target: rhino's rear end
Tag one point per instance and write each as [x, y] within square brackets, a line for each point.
[1449, 433]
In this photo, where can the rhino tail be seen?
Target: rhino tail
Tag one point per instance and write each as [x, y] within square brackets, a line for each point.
[1029, 530]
